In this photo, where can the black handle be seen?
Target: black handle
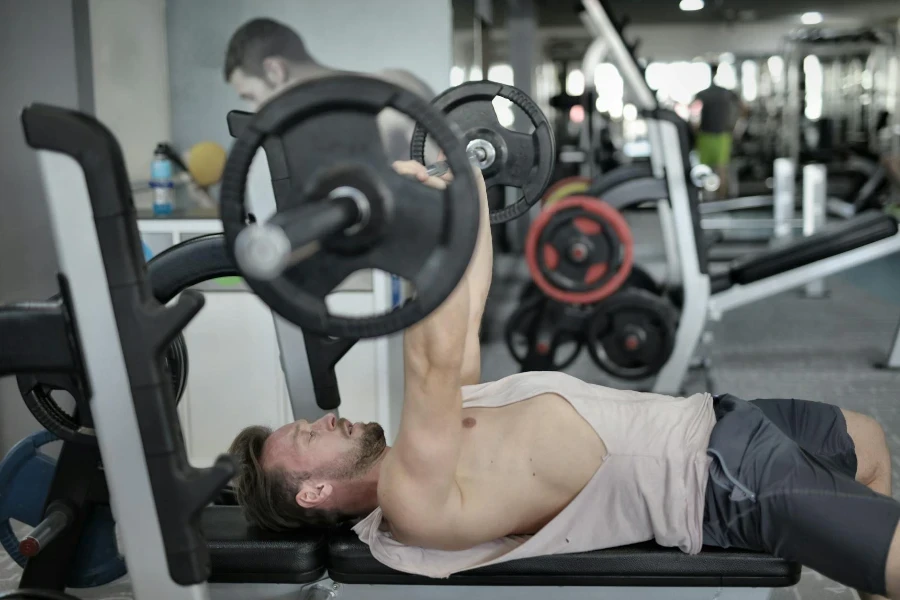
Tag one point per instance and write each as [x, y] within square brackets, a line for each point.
[238, 121]
[34, 338]
[323, 354]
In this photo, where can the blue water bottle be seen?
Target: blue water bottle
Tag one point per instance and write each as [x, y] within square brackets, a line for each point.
[161, 182]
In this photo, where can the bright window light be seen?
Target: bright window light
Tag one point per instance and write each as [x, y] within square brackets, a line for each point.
[457, 76]
[811, 18]
[726, 76]
[503, 108]
[776, 67]
[812, 69]
[575, 83]
[615, 111]
[656, 75]
[749, 79]
[610, 87]
[629, 112]
[691, 5]
[501, 74]
[475, 74]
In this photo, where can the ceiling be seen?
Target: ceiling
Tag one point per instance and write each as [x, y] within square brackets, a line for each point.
[564, 13]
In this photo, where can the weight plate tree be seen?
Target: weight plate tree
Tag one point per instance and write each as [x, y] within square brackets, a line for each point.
[351, 210]
[580, 250]
[519, 160]
[632, 334]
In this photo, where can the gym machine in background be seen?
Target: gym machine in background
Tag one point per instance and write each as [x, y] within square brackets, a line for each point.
[694, 296]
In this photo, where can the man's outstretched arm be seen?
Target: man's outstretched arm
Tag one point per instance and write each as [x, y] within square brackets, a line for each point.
[420, 471]
[480, 273]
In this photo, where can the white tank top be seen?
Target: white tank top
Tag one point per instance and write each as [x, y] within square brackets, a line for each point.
[650, 486]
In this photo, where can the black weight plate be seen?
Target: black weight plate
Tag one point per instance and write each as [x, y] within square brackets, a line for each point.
[522, 160]
[640, 279]
[528, 291]
[520, 326]
[37, 392]
[522, 329]
[328, 127]
[632, 316]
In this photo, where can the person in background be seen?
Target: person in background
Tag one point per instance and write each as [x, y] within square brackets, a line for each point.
[719, 113]
[265, 57]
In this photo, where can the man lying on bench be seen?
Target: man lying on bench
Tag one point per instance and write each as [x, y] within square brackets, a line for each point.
[543, 463]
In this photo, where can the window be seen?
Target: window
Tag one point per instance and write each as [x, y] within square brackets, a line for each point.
[812, 70]
[575, 82]
[726, 76]
[749, 80]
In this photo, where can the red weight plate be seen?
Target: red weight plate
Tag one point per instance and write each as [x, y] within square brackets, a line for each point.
[595, 272]
[551, 257]
[586, 226]
[609, 215]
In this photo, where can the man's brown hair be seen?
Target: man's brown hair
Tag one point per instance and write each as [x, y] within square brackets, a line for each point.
[268, 496]
[259, 39]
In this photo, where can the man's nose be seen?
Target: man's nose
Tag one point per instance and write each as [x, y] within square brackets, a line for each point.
[329, 422]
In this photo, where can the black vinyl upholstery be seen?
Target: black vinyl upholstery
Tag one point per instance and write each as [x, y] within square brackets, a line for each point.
[244, 554]
[241, 553]
[189, 263]
[349, 561]
[859, 231]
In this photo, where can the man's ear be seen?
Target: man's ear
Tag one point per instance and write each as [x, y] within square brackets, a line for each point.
[276, 71]
[313, 493]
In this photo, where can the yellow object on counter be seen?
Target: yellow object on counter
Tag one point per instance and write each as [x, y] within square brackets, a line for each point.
[206, 162]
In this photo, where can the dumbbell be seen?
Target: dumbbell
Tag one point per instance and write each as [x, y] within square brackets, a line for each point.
[705, 178]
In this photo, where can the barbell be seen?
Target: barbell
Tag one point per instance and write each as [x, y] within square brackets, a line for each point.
[350, 211]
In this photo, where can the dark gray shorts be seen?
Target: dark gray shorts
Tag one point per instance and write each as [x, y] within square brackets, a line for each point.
[782, 481]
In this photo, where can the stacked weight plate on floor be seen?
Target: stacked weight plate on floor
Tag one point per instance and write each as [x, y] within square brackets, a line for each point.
[580, 255]
[631, 335]
[545, 335]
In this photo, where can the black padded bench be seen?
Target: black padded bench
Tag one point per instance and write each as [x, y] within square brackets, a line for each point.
[243, 554]
[857, 232]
